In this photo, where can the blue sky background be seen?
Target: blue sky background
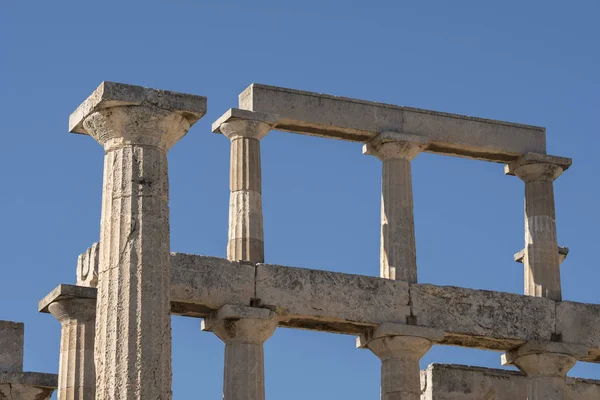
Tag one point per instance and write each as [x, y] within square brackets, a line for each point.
[533, 62]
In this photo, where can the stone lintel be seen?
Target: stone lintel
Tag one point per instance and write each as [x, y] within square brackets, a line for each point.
[563, 252]
[537, 158]
[235, 114]
[112, 94]
[391, 329]
[464, 382]
[64, 292]
[360, 121]
[353, 304]
[36, 379]
[542, 347]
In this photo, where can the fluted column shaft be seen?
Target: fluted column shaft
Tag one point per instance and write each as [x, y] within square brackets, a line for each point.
[398, 254]
[542, 260]
[76, 373]
[400, 372]
[246, 240]
[133, 326]
[244, 334]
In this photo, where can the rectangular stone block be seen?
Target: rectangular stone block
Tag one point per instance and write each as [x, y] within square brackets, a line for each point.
[580, 323]
[356, 120]
[330, 301]
[201, 284]
[12, 341]
[482, 318]
[461, 382]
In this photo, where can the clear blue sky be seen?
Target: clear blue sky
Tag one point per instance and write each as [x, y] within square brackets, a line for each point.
[531, 62]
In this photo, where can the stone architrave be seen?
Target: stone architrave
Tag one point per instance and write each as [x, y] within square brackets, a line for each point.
[14, 383]
[244, 331]
[542, 259]
[546, 365]
[136, 126]
[398, 254]
[400, 348]
[245, 129]
[76, 372]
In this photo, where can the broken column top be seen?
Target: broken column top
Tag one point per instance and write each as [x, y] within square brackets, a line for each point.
[11, 346]
[357, 120]
[112, 94]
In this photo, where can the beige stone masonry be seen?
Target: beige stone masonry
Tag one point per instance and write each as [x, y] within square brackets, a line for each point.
[352, 304]
[398, 254]
[136, 126]
[245, 129]
[14, 383]
[546, 365]
[462, 382]
[542, 260]
[400, 348]
[357, 120]
[244, 331]
[87, 266]
[76, 373]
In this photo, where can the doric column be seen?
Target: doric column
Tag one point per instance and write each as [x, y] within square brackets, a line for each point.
[398, 255]
[244, 331]
[76, 372]
[245, 129]
[541, 252]
[400, 348]
[546, 365]
[136, 126]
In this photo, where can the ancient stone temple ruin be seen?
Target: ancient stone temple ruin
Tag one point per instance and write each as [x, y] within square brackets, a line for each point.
[116, 334]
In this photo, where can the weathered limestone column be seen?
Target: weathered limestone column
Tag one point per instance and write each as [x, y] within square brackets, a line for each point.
[244, 331]
[546, 365]
[76, 372]
[245, 129]
[136, 126]
[398, 256]
[400, 348]
[541, 257]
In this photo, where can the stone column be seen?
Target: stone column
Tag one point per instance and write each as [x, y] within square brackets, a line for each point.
[546, 365]
[398, 256]
[400, 348]
[76, 372]
[245, 129]
[136, 126]
[541, 252]
[244, 331]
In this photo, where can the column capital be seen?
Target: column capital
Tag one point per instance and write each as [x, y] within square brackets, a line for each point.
[389, 329]
[73, 309]
[411, 348]
[531, 167]
[241, 324]
[542, 358]
[117, 114]
[236, 123]
[395, 145]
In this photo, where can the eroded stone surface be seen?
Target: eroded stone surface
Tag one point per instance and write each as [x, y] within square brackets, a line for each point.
[87, 266]
[461, 382]
[298, 293]
[481, 318]
[580, 323]
[12, 341]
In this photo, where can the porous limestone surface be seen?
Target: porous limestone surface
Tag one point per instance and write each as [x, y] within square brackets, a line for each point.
[580, 323]
[12, 338]
[113, 94]
[482, 318]
[298, 294]
[461, 382]
[356, 120]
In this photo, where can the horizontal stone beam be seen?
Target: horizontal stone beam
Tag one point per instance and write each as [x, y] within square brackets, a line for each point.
[356, 120]
[355, 304]
[461, 382]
